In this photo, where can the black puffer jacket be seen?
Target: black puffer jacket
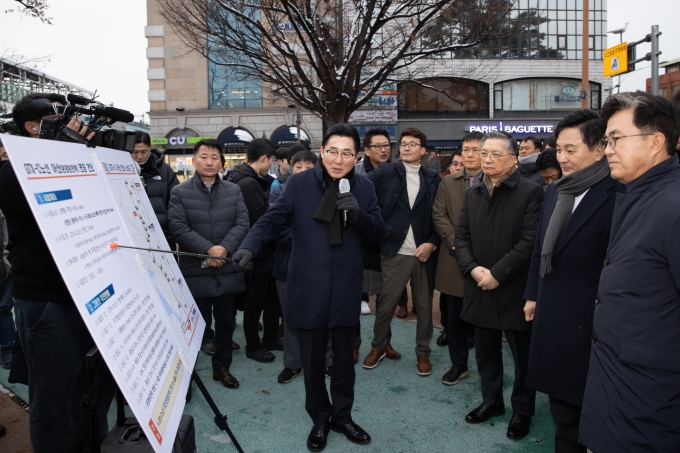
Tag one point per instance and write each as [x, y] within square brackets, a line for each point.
[159, 179]
[200, 219]
[255, 190]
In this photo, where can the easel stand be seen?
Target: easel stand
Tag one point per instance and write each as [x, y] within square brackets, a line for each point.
[95, 374]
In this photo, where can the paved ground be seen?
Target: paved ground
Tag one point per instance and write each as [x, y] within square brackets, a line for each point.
[402, 411]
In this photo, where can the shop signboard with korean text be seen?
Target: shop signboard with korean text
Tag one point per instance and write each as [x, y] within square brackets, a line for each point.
[135, 304]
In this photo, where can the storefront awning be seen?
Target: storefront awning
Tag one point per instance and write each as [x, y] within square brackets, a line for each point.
[287, 135]
[235, 136]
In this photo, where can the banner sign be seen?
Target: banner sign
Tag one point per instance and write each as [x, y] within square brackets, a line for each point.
[135, 303]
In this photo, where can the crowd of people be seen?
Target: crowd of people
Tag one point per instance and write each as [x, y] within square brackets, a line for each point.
[567, 250]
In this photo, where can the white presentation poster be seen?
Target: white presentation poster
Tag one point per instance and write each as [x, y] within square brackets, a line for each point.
[135, 303]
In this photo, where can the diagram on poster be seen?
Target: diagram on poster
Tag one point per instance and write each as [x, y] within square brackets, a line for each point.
[135, 303]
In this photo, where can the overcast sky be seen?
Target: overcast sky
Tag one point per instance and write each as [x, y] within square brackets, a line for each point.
[100, 44]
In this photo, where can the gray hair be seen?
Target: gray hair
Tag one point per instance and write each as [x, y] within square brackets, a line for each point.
[510, 143]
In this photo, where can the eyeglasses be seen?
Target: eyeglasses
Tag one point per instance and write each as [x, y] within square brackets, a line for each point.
[345, 154]
[384, 146]
[612, 142]
[472, 151]
[493, 156]
[412, 146]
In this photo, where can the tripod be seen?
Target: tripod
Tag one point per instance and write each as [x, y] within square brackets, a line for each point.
[96, 368]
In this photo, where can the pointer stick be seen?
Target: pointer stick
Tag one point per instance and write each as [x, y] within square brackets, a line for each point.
[115, 245]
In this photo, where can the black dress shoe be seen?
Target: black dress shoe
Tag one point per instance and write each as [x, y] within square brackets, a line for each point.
[208, 348]
[443, 339]
[318, 437]
[518, 427]
[260, 354]
[455, 374]
[352, 432]
[484, 412]
[276, 345]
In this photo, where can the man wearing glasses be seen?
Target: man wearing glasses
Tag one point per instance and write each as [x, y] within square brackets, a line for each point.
[324, 274]
[406, 192]
[494, 240]
[632, 397]
[561, 291]
[472, 161]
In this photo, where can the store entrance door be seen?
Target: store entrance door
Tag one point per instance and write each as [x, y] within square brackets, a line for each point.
[181, 161]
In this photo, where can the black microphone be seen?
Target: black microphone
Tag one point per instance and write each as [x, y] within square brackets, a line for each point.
[344, 188]
[115, 114]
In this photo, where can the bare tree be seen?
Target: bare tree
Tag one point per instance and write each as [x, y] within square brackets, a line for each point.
[330, 56]
[32, 8]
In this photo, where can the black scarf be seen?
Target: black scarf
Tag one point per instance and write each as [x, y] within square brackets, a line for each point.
[368, 165]
[327, 211]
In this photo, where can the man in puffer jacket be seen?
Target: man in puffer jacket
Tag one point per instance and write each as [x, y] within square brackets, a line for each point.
[208, 216]
[159, 179]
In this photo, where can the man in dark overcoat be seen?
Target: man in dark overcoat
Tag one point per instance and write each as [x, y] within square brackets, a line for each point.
[324, 274]
[565, 270]
[494, 240]
[449, 280]
[208, 216]
[632, 395]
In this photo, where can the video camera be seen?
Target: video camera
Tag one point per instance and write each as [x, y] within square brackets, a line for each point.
[101, 117]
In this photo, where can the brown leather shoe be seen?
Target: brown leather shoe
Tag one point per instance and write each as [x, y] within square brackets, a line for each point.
[356, 355]
[424, 366]
[227, 379]
[402, 312]
[373, 357]
[390, 353]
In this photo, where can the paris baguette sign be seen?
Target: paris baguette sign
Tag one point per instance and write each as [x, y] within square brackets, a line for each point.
[514, 128]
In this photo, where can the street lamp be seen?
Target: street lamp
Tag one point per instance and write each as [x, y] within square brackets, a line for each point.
[620, 32]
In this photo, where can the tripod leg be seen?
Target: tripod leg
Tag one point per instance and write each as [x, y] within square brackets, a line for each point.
[220, 420]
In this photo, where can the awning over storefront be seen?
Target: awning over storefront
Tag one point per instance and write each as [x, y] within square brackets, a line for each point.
[235, 136]
[287, 135]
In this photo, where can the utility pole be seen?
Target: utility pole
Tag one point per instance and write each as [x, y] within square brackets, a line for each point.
[585, 53]
[655, 59]
[297, 122]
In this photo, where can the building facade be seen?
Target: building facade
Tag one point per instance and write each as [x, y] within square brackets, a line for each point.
[669, 83]
[523, 84]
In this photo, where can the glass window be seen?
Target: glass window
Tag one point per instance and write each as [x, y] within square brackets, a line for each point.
[561, 42]
[498, 99]
[571, 27]
[571, 4]
[545, 95]
[562, 4]
[571, 42]
[450, 97]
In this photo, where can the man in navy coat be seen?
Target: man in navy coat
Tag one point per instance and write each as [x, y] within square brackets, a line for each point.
[632, 395]
[324, 274]
[576, 219]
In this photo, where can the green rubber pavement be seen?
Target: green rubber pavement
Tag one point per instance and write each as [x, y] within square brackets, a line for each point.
[403, 412]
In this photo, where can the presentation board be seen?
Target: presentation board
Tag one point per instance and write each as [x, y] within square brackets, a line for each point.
[136, 304]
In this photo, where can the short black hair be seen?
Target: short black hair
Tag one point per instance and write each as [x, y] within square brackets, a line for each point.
[548, 159]
[304, 156]
[210, 143]
[294, 149]
[457, 152]
[282, 153]
[534, 140]
[222, 159]
[342, 130]
[368, 136]
[414, 132]
[258, 148]
[588, 122]
[551, 142]
[650, 114]
[142, 137]
[25, 110]
[473, 137]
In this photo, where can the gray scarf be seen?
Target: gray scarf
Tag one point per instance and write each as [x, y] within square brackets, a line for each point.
[568, 188]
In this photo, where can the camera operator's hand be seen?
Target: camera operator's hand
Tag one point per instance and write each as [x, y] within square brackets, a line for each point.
[76, 130]
[243, 260]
